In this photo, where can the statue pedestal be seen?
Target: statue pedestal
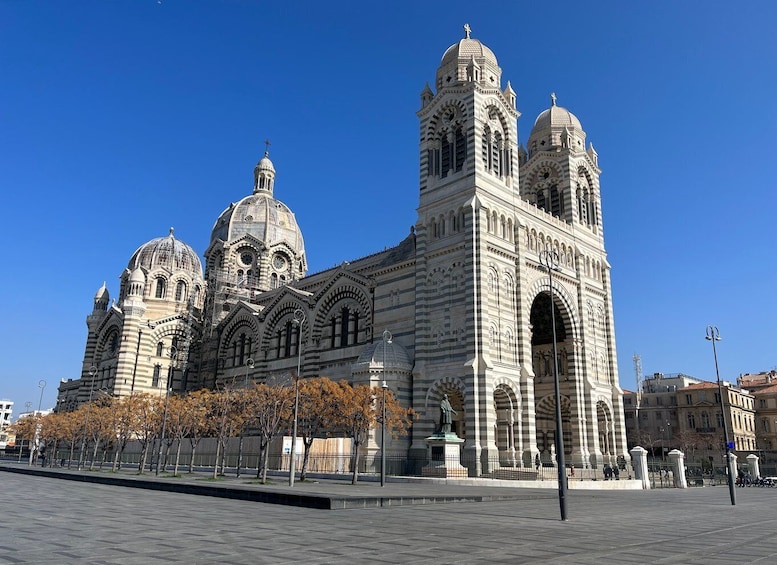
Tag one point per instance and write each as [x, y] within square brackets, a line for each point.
[444, 457]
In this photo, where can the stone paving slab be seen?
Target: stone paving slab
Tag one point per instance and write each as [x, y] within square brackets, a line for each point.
[46, 520]
[324, 494]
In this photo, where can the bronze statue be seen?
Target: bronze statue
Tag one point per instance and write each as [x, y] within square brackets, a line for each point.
[446, 415]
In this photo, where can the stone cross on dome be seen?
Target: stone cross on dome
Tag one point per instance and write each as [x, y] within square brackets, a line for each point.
[467, 31]
[553, 98]
[266, 146]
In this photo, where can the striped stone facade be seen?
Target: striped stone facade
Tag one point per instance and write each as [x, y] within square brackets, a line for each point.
[464, 296]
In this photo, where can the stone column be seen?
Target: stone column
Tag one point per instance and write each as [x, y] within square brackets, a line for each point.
[755, 469]
[639, 462]
[677, 463]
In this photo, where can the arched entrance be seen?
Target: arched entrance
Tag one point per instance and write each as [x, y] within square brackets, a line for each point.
[546, 427]
[506, 407]
[544, 372]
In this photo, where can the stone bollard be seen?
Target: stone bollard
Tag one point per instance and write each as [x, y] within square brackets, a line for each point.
[677, 463]
[639, 461]
[752, 462]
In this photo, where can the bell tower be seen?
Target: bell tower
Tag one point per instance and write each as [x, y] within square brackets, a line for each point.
[468, 189]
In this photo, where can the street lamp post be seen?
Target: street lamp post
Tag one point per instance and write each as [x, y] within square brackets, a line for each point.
[713, 335]
[36, 437]
[663, 446]
[386, 342]
[42, 386]
[173, 355]
[92, 374]
[549, 260]
[249, 365]
[299, 320]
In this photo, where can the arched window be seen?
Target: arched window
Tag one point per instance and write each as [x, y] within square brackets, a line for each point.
[555, 201]
[161, 287]
[159, 349]
[344, 322]
[541, 202]
[448, 151]
[155, 378]
[180, 291]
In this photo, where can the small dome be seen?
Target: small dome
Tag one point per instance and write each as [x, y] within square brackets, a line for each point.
[138, 276]
[468, 60]
[556, 117]
[102, 294]
[396, 357]
[465, 50]
[265, 164]
[169, 253]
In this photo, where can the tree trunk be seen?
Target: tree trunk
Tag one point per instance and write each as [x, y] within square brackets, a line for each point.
[193, 445]
[265, 461]
[308, 443]
[239, 456]
[224, 457]
[355, 463]
[143, 453]
[216, 463]
[177, 458]
[94, 454]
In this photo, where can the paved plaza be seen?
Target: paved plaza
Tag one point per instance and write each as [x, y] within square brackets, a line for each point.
[49, 520]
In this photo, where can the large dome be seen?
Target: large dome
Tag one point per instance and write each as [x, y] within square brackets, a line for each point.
[167, 252]
[262, 216]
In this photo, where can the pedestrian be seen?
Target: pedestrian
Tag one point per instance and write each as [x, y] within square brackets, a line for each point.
[616, 472]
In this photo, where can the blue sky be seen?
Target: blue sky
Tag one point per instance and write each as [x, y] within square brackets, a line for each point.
[121, 119]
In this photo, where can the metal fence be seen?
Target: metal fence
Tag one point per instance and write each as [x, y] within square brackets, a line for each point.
[368, 465]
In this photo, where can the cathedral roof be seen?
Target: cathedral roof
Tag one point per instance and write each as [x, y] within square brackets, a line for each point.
[466, 49]
[260, 215]
[167, 252]
[373, 355]
[263, 217]
[556, 117]
[468, 60]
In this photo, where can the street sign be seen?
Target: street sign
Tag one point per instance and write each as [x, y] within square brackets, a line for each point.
[731, 445]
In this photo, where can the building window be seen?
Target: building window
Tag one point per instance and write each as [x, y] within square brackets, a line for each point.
[688, 399]
[155, 379]
[161, 287]
[691, 421]
[159, 347]
[180, 291]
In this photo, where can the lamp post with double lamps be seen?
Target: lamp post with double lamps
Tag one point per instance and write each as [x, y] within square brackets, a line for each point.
[173, 354]
[386, 342]
[549, 260]
[713, 335]
[299, 320]
[36, 437]
[92, 374]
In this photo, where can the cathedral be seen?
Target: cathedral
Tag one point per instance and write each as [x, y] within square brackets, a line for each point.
[461, 307]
